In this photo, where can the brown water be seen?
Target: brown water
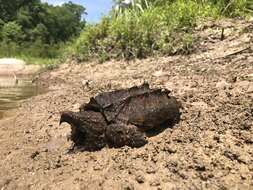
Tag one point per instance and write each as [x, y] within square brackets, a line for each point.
[12, 92]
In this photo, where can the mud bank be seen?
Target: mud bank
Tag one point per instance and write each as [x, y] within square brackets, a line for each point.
[12, 66]
[210, 148]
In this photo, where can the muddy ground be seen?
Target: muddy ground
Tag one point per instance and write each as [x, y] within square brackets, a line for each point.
[210, 148]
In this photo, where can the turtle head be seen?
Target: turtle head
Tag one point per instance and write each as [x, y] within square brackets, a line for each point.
[68, 117]
[73, 119]
[87, 128]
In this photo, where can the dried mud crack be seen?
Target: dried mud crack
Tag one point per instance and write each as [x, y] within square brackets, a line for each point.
[210, 148]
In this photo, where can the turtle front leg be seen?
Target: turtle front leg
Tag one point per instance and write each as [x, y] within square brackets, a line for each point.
[119, 134]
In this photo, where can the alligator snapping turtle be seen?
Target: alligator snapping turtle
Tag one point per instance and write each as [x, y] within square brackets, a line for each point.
[121, 117]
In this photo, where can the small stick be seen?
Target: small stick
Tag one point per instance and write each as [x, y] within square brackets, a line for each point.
[234, 53]
[222, 37]
[238, 52]
[15, 78]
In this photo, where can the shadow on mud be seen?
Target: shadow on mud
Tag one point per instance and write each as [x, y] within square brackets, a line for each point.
[158, 130]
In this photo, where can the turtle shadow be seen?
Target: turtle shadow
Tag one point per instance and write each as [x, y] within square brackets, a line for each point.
[158, 130]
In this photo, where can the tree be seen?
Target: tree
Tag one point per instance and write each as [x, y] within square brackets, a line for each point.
[46, 22]
[64, 22]
[32, 26]
[40, 32]
[12, 32]
[1, 28]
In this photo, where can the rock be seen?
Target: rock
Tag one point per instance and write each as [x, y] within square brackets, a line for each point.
[232, 79]
[249, 77]
[200, 167]
[35, 154]
[250, 89]
[155, 182]
[76, 107]
[170, 149]
[140, 178]
[223, 85]
[127, 186]
[160, 73]
[151, 169]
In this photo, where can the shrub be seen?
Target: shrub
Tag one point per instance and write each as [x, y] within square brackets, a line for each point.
[12, 32]
[144, 29]
[138, 34]
[231, 8]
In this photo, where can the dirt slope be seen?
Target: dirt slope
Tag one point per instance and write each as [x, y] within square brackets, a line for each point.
[211, 147]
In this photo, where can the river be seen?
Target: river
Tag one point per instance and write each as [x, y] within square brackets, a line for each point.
[12, 92]
[15, 84]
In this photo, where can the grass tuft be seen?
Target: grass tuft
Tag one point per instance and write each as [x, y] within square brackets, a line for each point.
[158, 28]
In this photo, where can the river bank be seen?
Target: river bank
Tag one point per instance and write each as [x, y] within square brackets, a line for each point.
[210, 148]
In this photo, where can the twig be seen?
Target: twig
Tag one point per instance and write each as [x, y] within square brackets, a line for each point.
[234, 53]
[222, 37]
[238, 52]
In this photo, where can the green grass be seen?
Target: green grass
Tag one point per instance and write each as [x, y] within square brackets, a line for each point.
[33, 53]
[162, 28]
[149, 28]
[38, 60]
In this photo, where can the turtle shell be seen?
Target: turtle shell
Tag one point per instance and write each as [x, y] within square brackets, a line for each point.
[141, 106]
[108, 103]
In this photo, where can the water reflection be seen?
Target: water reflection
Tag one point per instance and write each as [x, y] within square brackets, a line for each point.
[12, 91]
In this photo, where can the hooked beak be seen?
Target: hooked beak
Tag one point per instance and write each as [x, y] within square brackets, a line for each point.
[61, 121]
[66, 116]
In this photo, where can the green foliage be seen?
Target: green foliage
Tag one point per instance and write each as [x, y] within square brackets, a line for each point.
[231, 8]
[45, 22]
[145, 28]
[1, 28]
[36, 29]
[63, 22]
[37, 49]
[12, 32]
[141, 28]
[39, 33]
[135, 5]
[137, 34]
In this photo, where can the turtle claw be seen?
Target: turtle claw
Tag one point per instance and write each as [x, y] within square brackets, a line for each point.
[120, 134]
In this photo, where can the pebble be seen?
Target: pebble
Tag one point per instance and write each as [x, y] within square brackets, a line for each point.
[140, 178]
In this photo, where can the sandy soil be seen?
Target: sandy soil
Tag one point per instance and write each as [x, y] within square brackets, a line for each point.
[210, 148]
[12, 66]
